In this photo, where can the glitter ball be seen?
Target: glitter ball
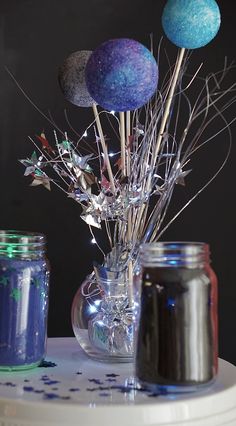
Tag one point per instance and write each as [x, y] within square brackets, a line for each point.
[121, 75]
[71, 79]
[191, 23]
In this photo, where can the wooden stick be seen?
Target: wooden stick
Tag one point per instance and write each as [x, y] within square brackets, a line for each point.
[104, 148]
[161, 132]
[128, 128]
[129, 225]
[122, 143]
[168, 104]
[130, 264]
[130, 288]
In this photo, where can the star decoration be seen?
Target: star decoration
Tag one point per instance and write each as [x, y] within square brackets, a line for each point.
[30, 164]
[77, 195]
[84, 180]
[29, 161]
[139, 130]
[91, 220]
[112, 375]
[64, 147]
[33, 165]
[4, 281]
[36, 282]
[41, 180]
[81, 162]
[60, 171]
[29, 170]
[91, 213]
[181, 178]
[105, 184]
[15, 294]
[45, 144]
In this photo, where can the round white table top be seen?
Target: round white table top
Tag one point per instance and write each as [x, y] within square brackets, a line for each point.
[79, 391]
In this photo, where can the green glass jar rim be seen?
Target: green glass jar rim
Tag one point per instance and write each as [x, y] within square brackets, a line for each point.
[18, 235]
[22, 243]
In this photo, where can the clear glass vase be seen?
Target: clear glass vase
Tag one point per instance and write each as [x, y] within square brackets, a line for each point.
[103, 318]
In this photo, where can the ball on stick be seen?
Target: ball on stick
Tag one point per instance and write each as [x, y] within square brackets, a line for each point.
[71, 78]
[121, 75]
[191, 24]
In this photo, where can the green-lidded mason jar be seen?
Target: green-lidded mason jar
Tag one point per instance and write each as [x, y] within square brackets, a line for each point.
[24, 282]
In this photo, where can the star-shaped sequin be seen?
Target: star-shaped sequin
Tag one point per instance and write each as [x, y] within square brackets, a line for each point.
[4, 281]
[36, 282]
[15, 294]
[112, 375]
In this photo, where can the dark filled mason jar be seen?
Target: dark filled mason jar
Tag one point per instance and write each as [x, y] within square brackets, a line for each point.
[177, 341]
[24, 281]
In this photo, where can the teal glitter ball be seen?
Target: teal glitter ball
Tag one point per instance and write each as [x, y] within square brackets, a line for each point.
[191, 23]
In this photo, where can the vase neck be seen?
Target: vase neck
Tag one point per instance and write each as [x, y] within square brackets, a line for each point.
[116, 286]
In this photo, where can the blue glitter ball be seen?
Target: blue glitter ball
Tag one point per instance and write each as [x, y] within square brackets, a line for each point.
[121, 75]
[191, 23]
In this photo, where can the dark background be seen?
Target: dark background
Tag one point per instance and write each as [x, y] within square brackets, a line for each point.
[35, 38]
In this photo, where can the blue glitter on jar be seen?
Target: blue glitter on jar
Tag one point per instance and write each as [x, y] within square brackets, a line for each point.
[24, 281]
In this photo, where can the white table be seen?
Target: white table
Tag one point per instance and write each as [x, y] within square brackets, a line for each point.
[79, 391]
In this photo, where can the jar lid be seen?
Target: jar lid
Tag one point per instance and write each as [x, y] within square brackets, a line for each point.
[174, 253]
[21, 244]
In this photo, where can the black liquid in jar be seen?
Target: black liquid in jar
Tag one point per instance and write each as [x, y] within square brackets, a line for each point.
[177, 336]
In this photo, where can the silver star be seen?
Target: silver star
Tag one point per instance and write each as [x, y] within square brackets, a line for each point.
[41, 180]
[64, 147]
[91, 220]
[78, 196]
[181, 178]
[81, 162]
[30, 164]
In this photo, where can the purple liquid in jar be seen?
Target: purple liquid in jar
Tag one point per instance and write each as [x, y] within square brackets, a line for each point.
[23, 308]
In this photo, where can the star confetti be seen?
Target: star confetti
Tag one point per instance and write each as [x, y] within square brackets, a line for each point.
[4, 281]
[16, 294]
[36, 282]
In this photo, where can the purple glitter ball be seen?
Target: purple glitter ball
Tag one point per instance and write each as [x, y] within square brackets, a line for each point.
[121, 75]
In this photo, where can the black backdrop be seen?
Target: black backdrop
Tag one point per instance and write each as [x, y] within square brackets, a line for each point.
[35, 37]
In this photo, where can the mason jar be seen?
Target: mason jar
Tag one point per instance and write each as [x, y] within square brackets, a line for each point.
[24, 281]
[177, 341]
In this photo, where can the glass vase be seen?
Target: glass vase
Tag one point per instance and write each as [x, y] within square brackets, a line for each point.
[103, 318]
